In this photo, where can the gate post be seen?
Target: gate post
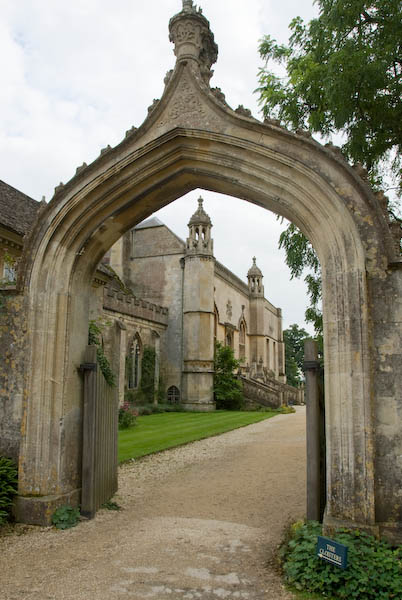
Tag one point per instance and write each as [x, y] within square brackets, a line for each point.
[88, 434]
[311, 366]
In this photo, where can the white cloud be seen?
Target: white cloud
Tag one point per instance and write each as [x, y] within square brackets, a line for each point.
[77, 75]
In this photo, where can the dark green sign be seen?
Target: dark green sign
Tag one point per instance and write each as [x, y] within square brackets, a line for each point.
[332, 552]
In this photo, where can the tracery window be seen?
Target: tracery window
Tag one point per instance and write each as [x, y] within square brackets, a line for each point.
[229, 338]
[134, 363]
[242, 341]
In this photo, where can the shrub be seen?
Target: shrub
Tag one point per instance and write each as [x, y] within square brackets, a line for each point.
[127, 416]
[8, 486]
[374, 569]
[286, 410]
[65, 517]
[227, 389]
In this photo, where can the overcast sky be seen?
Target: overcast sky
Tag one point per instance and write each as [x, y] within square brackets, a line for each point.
[76, 75]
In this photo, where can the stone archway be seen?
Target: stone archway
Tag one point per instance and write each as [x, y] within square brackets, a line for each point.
[192, 139]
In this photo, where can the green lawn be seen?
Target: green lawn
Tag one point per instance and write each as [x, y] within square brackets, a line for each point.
[158, 432]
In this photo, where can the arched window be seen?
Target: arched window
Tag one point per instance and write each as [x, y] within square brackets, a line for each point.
[134, 363]
[242, 340]
[173, 395]
[216, 321]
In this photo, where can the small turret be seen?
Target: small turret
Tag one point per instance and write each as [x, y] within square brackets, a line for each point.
[199, 240]
[255, 278]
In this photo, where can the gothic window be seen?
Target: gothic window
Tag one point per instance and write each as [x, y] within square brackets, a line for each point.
[173, 395]
[242, 341]
[229, 339]
[10, 274]
[133, 363]
[216, 321]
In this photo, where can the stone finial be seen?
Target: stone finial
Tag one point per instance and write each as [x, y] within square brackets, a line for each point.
[245, 112]
[188, 6]
[194, 41]
[153, 105]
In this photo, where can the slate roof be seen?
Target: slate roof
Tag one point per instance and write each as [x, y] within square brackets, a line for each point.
[148, 223]
[17, 210]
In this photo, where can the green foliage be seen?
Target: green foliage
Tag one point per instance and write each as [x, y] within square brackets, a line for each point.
[343, 74]
[147, 382]
[8, 487]
[227, 389]
[374, 569]
[294, 338]
[111, 505]
[95, 338]
[66, 517]
[300, 255]
[127, 416]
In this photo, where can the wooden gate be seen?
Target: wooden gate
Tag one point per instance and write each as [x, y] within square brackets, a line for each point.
[315, 425]
[99, 448]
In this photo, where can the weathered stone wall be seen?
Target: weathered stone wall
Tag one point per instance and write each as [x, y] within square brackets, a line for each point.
[12, 353]
[230, 295]
[387, 337]
[156, 274]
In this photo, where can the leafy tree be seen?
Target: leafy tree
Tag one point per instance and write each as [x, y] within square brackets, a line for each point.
[227, 389]
[344, 74]
[294, 338]
[300, 255]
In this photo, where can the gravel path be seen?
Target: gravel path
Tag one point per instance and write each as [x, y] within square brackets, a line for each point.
[200, 521]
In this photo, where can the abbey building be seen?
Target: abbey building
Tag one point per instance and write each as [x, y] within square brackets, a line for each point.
[155, 291]
[205, 303]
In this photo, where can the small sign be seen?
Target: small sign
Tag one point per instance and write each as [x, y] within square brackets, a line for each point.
[333, 552]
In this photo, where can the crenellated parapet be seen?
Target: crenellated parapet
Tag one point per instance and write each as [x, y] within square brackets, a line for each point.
[128, 304]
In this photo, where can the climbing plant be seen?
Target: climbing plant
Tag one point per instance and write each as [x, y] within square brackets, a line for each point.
[95, 339]
[147, 382]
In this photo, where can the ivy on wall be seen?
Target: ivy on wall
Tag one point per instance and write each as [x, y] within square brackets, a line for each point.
[95, 339]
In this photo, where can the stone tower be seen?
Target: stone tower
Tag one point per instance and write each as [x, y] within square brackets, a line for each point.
[256, 333]
[198, 314]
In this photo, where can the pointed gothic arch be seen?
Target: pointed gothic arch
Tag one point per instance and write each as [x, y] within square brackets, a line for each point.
[192, 139]
[242, 338]
[133, 362]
